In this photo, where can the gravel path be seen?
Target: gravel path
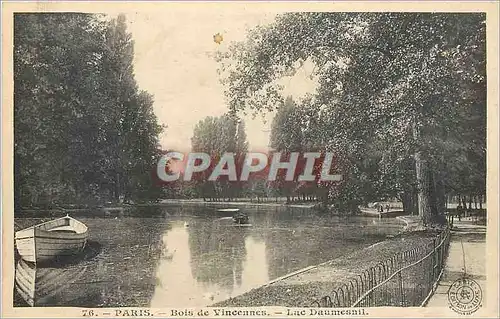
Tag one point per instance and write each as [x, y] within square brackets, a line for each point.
[467, 258]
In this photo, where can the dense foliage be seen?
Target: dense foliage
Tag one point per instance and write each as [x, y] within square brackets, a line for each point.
[401, 98]
[216, 136]
[84, 132]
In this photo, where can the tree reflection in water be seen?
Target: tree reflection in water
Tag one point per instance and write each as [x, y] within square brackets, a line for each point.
[224, 261]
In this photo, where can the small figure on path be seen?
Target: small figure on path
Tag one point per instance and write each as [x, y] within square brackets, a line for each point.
[387, 207]
[459, 212]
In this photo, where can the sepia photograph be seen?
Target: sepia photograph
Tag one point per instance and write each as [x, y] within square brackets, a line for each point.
[169, 159]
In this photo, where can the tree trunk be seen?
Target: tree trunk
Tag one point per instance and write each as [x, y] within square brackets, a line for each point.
[433, 201]
[117, 188]
[423, 191]
[409, 200]
[422, 177]
[406, 203]
[438, 193]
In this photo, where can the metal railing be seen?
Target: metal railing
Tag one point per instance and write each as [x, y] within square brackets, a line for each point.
[407, 279]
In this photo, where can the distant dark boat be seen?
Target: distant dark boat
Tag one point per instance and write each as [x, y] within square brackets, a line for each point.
[239, 217]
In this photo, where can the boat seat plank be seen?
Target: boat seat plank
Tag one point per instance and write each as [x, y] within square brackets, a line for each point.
[67, 228]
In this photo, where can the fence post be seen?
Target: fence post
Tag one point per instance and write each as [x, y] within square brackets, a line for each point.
[431, 255]
[335, 301]
[441, 252]
[401, 287]
[372, 284]
[434, 263]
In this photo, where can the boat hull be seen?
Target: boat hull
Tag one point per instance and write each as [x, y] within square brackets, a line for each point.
[37, 244]
[227, 212]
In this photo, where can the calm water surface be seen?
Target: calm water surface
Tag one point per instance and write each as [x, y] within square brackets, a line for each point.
[189, 256]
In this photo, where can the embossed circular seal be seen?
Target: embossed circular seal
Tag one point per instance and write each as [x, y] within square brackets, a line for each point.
[465, 296]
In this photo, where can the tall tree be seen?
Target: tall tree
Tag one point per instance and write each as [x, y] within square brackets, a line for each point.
[286, 137]
[56, 67]
[82, 129]
[216, 136]
[286, 128]
[399, 82]
[120, 93]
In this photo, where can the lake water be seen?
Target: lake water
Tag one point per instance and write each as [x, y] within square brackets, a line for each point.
[188, 256]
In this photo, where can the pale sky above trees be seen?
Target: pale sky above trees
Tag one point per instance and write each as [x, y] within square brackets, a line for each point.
[174, 62]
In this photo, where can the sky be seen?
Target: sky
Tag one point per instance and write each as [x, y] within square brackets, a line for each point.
[173, 61]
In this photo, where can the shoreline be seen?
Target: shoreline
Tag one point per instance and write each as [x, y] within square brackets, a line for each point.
[122, 208]
[236, 203]
[411, 222]
[166, 202]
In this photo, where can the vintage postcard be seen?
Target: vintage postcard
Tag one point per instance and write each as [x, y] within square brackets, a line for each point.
[250, 159]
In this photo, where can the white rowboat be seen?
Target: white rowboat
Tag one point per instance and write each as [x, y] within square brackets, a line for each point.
[64, 236]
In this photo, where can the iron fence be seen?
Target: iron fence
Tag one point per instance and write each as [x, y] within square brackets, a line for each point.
[407, 279]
